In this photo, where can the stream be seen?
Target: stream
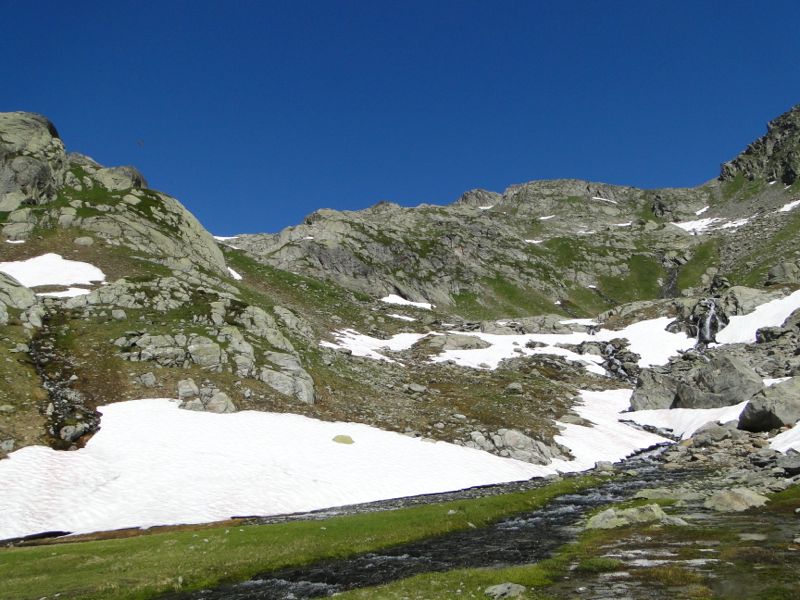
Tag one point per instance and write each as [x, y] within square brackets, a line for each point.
[520, 539]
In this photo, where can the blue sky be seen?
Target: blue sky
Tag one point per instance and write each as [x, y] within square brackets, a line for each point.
[255, 114]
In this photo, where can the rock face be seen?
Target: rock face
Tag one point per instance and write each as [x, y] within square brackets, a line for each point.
[725, 381]
[32, 160]
[773, 156]
[773, 407]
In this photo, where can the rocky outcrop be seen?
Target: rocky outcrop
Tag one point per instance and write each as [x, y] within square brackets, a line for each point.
[724, 381]
[649, 513]
[774, 156]
[32, 160]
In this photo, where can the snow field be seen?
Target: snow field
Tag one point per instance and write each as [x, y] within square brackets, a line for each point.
[194, 467]
[52, 269]
[395, 299]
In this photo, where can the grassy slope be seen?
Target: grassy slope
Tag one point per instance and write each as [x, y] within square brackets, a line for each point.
[143, 566]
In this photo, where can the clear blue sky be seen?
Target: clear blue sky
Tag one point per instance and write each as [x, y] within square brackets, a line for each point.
[254, 114]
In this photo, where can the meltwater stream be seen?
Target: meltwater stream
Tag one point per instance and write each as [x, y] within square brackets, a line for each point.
[522, 539]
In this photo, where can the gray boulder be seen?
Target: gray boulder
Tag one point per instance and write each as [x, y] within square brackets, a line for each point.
[773, 407]
[649, 513]
[14, 294]
[220, 402]
[505, 590]
[187, 389]
[735, 500]
[454, 341]
[654, 390]
[724, 381]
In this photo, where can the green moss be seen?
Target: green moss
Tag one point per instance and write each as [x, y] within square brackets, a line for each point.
[742, 188]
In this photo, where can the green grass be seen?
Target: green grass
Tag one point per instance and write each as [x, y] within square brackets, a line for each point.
[641, 283]
[742, 188]
[144, 566]
[705, 255]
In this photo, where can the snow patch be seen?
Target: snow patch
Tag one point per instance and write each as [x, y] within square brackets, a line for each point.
[604, 199]
[234, 274]
[68, 293]
[534, 241]
[15, 241]
[735, 224]
[369, 347]
[547, 218]
[788, 440]
[486, 207]
[401, 317]
[789, 206]
[701, 211]
[627, 224]
[696, 227]
[742, 328]
[395, 299]
[683, 422]
[52, 269]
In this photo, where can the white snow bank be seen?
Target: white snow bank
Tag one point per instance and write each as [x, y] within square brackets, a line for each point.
[701, 211]
[486, 207]
[788, 440]
[604, 199]
[742, 328]
[683, 422]
[367, 346]
[626, 224]
[698, 226]
[225, 238]
[15, 241]
[68, 293]
[234, 274]
[395, 299]
[401, 317]
[547, 218]
[193, 467]
[52, 269]
[534, 241]
[648, 338]
[789, 206]
[609, 440]
[735, 224]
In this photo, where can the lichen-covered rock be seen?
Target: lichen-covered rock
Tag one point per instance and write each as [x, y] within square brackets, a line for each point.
[735, 500]
[649, 513]
[120, 178]
[653, 390]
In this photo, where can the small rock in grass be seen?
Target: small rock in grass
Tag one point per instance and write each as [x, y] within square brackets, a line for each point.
[83, 241]
[505, 590]
[735, 500]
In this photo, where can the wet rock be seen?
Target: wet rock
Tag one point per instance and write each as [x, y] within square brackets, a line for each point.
[505, 590]
[735, 500]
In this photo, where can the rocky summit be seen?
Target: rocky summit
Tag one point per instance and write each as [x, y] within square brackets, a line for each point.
[556, 326]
